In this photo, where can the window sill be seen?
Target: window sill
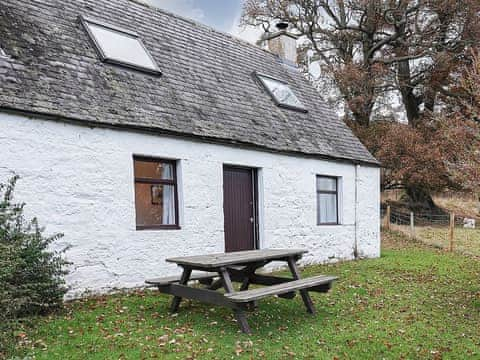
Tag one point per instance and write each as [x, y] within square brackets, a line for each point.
[158, 227]
[328, 224]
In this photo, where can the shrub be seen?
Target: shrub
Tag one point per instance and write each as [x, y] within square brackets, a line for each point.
[31, 276]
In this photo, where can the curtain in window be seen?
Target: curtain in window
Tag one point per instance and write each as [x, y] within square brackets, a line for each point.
[168, 217]
[327, 208]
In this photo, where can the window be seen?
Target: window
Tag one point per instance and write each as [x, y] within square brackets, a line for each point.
[156, 196]
[2, 53]
[327, 200]
[119, 46]
[281, 93]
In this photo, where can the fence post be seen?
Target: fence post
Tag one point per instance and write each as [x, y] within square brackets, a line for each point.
[450, 230]
[387, 218]
[412, 224]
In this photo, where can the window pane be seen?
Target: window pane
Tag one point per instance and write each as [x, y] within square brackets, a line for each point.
[282, 92]
[155, 204]
[120, 46]
[153, 170]
[327, 208]
[326, 184]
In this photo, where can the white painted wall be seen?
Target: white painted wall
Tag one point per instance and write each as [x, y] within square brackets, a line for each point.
[79, 181]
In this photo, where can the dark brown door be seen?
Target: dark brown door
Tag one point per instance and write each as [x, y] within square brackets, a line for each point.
[239, 208]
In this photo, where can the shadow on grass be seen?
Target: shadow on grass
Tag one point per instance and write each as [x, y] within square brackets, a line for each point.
[271, 315]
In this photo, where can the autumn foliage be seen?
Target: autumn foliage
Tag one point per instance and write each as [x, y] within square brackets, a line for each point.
[424, 160]
[442, 153]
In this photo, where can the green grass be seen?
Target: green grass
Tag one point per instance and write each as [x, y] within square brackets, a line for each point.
[413, 302]
[465, 240]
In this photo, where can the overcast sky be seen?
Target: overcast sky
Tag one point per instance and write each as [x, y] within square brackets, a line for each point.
[222, 15]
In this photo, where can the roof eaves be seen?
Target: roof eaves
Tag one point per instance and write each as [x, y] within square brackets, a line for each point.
[158, 131]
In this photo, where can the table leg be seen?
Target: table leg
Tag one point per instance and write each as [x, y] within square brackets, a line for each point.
[217, 284]
[245, 284]
[249, 271]
[239, 314]
[307, 300]
[183, 281]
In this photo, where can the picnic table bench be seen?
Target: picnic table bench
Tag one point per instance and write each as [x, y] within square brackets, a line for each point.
[220, 270]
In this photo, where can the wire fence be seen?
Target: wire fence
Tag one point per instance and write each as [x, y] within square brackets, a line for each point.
[447, 231]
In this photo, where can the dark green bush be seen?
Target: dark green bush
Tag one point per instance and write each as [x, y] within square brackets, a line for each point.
[31, 275]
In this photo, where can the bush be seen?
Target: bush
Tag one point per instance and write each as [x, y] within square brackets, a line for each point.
[31, 276]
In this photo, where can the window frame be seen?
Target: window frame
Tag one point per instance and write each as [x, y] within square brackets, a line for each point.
[85, 21]
[173, 182]
[258, 76]
[330, 192]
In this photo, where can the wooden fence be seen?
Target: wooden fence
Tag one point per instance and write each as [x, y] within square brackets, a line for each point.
[448, 231]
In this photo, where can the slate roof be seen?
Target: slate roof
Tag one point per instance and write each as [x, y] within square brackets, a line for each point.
[206, 89]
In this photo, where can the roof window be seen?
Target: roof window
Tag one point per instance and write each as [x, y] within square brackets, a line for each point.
[2, 52]
[281, 93]
[119, 46]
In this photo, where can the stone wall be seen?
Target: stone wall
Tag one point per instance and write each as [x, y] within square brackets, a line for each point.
[79, 181]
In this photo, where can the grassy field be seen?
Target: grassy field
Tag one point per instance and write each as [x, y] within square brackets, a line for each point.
[467, 206]
[465, 241]
[414, 302]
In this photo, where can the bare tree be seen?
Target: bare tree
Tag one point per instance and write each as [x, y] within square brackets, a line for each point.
[368, 47]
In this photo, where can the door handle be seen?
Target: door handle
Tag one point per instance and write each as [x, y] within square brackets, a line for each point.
[251, 220]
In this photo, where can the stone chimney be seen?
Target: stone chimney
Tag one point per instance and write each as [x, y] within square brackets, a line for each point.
[282, 43]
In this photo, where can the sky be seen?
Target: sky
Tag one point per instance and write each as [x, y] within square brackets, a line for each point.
[223, 15]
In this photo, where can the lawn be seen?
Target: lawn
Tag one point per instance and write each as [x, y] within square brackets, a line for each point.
[413, 302]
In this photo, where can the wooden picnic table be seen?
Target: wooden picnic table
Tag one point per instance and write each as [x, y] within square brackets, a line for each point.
[240, 267]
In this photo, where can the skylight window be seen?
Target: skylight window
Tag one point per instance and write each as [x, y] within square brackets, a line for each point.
[281, 93]
[119, 46]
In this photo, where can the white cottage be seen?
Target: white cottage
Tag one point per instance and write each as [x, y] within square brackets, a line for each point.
[141, 135]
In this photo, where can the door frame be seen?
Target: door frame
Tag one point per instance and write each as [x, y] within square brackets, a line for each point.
[256, 222]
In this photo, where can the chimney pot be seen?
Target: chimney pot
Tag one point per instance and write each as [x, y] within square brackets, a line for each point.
[282, 25]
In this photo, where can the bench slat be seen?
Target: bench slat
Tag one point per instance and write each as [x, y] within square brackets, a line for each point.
[176, 278]
[260, 293]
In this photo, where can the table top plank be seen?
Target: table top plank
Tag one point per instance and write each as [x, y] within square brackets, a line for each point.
[176, 278]
[235, 258]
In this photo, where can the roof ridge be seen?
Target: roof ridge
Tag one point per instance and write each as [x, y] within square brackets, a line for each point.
[200, 24]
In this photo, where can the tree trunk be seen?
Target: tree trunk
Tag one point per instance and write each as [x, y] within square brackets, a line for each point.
[420, 199]
[361, 111]
[363, 117]
[409, 99]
